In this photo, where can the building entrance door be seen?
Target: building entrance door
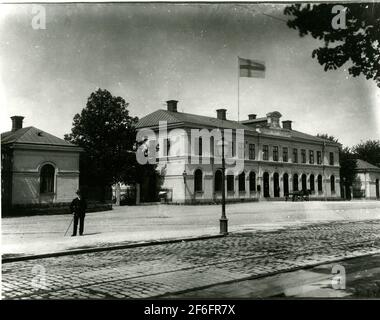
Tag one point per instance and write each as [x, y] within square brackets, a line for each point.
[266, 185]
[377, 189]
[276, 185]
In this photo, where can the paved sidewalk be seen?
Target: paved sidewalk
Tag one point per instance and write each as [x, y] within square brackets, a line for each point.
[124, 225]
[167, 269]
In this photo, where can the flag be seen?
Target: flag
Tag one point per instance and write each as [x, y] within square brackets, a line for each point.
[251, 68]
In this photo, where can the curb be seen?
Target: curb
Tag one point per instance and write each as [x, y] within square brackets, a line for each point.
[108, 248]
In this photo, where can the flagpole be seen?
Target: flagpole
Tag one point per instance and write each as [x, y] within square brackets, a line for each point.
[238, 97]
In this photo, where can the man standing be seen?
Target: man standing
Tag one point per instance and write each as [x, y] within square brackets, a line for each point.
[78, 208]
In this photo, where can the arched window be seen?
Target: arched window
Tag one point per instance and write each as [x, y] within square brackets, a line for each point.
[218, 181]
[47, 179]
[295, 182]
[286, 183]
[252, 181]
[304, 182]
[312, 182]
[242, 181]
[319, 183]
[230, 182]
[198, 180]
[332, 183]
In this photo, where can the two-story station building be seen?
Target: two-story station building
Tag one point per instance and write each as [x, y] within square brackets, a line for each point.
[276, 159]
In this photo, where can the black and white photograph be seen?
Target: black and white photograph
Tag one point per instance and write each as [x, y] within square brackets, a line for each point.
[170, 151]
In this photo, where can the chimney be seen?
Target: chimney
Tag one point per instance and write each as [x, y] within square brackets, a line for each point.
[287, 124]
[17, 122]
[221, 114]
[251, 116]
[172, 105]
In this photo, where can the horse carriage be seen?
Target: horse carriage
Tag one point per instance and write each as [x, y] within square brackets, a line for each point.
[302, 195]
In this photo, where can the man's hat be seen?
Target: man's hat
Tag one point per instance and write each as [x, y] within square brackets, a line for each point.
[78, 192]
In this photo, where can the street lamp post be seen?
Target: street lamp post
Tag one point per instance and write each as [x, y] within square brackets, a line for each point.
[223, 219]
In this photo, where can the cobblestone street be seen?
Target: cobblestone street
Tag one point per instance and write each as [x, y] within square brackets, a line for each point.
[161, 270]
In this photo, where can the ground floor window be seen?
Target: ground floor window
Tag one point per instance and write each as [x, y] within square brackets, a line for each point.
[252, 181]
[230, 182]
[198, 180]
[332, 182]
[312, 182]
[295, 182]
[218, 181]
[319, 183]
[47, 179]
[242, 181]
[286, 183]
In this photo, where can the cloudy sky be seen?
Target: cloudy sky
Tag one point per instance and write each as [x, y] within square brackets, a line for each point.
[150, 53]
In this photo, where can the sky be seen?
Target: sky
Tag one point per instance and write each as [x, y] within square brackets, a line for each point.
[150, 53]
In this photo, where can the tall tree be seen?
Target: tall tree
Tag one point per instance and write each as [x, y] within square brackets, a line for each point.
[106, 132]
[368, 151]
[348, 166]
[354, 40]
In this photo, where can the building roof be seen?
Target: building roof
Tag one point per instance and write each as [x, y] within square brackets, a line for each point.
[152, 119]
[364, 165]
[188, 119]
[32, 135]
[257, 120]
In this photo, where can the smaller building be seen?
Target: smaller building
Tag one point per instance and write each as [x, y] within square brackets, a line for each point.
[37, 168]
[366, 184]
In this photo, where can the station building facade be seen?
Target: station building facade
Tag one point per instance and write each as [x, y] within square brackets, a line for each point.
[276, 160]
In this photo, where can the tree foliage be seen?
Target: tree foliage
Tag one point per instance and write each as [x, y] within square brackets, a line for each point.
[327, 137]
[368, 151]
[348, 166]
[357, 44]
[106, 132]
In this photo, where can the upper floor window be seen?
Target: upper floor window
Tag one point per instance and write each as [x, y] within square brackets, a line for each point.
[251, 151]
[166, 147]
[265, 152]
[275, 153]
[200, 152]
[331, 158]
[47, 179]
[311, 156]
[303, 155]
[231, 149]
[319, 157]
[285, 156]
[295, 155]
